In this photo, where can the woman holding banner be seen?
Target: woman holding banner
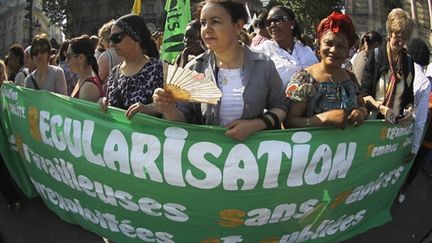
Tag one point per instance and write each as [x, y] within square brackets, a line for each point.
[132, 82]
[82, 61]
[45, 77]
[325, 94]
[248, 80]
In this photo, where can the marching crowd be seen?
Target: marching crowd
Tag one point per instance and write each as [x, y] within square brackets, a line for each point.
[272, 78]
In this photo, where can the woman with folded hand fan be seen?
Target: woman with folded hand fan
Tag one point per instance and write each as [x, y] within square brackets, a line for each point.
[132, 82]
[248, 80]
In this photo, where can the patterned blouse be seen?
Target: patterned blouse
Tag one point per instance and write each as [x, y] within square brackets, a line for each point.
[322, 96]
[125, 91]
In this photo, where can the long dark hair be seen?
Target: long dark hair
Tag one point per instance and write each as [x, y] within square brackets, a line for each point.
[83, 45]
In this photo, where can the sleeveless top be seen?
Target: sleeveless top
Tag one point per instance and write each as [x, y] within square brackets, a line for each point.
[94, 80]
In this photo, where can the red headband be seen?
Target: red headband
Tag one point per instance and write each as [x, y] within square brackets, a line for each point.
[338, 23]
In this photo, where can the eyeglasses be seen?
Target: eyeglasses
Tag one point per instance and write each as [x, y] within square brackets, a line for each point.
[36, 52]
[117, 37]
[276, 20]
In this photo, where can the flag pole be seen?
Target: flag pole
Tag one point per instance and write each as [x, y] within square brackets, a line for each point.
[136, 8]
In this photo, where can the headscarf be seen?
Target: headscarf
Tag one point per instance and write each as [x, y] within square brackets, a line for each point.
[338, 23]
[136, 28]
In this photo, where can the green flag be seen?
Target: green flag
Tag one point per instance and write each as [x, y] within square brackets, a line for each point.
[178, 16]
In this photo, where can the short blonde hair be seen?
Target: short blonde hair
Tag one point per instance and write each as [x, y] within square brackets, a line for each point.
[398, 21]
[105, 31]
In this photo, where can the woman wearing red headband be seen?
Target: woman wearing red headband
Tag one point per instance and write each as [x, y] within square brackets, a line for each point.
[325, 94]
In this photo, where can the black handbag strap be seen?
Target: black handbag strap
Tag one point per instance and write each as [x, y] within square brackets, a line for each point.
[35, 85]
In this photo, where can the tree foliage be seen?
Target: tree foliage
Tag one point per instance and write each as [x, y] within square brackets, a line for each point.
[70, 15]
[56, 12]
[310, 12]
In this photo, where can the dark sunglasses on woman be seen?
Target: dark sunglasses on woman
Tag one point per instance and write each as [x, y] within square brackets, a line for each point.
[117, 37]
[276, 20]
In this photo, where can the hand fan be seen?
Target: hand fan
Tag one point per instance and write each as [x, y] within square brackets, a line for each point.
[188, 85]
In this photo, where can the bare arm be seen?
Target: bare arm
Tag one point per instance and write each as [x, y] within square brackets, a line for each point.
[296, 117]
[103, 64]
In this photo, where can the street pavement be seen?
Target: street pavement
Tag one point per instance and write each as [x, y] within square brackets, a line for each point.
[35, 223]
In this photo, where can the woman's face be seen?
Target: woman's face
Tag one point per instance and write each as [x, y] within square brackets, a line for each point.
[278, 25]
[121, 42]
[397, 41]
[72, 59]
[334, 49]
[217, 29]
[40, 55]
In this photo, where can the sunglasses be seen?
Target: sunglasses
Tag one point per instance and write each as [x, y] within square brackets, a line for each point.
[36, 52]
[276, 20]
[117, 37]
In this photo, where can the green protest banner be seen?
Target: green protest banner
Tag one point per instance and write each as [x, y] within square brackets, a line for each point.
[178, 16]
[150, 180]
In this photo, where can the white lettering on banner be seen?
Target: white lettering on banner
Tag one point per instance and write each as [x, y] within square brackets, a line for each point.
[232, 239]
[64, 172]
[396, 132]
[240, 170]
[384, 149]
[104, 220]
[262, 216]
[17, 110]
[326, 228]
[10, 93]
[383, 181]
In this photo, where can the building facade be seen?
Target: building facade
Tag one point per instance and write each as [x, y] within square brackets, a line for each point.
[371, 15]
[14, 28]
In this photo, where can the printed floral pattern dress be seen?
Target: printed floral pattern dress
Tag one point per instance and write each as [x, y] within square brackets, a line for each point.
[322, 96]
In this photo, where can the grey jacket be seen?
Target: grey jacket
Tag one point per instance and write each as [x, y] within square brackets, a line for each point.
[263, 88]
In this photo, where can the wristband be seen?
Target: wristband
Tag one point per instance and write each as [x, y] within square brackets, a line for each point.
[275, 119]
[267, 122]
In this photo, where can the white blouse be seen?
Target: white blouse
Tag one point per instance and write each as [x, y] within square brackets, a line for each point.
[232, 88]
[287, 64]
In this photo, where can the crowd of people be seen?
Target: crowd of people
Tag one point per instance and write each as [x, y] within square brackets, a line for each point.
[273, 78]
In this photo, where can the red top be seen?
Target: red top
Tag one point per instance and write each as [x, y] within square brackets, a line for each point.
[94, 80]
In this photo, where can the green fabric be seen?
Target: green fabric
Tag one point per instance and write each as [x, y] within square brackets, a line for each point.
[151, 180]
[178, 16]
